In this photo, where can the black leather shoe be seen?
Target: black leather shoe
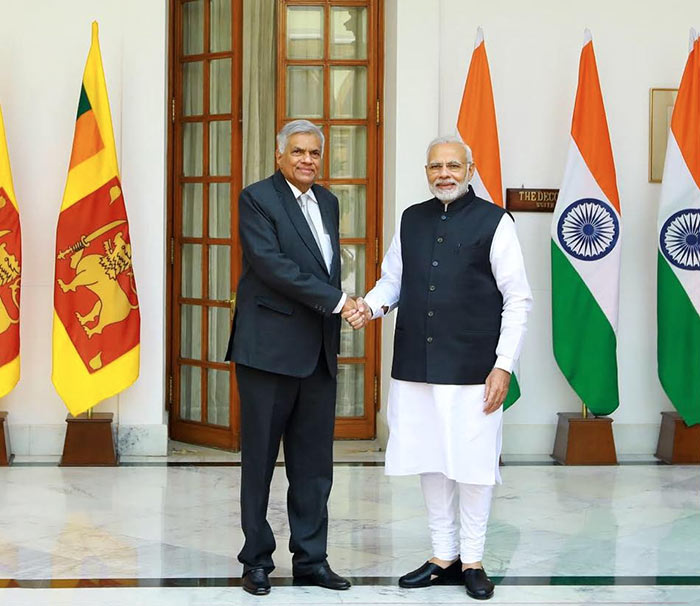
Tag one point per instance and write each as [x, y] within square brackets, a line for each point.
[323, 576]
[255, 581]
[478, 584]
[422, 577]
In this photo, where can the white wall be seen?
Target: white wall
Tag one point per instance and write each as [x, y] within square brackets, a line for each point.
[533, 49]
[42, 57]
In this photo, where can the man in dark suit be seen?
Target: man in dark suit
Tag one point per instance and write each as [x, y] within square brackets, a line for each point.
[285, 342]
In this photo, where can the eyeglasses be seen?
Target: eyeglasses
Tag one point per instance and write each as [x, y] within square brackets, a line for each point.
[452, 167]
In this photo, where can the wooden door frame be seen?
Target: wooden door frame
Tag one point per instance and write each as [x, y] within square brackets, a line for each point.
[345, 428]
[199, 432]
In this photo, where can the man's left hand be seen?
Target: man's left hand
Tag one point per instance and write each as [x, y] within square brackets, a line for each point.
[497, 384]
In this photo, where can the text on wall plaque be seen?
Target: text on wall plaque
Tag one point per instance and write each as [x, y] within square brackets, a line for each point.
[532, 200]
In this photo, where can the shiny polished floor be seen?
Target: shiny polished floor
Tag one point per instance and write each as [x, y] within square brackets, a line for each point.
[168, 533]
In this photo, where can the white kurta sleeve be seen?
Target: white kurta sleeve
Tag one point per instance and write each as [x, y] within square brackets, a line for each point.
[508, 269]
[388, 288]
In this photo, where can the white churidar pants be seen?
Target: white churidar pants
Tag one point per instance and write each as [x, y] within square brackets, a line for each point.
[457, 516]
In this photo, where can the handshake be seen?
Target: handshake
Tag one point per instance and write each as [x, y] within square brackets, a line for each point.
[356, 312]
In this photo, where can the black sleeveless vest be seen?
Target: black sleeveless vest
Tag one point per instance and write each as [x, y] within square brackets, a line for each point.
[449, 313]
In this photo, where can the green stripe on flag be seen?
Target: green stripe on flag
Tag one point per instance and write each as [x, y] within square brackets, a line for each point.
[513, 393]
[584, 341]
[678, 344]
[83, 103]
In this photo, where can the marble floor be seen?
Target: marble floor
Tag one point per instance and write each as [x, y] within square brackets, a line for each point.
[167, 532]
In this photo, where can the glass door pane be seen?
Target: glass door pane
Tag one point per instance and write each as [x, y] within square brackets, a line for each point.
[353, 209]
[305, 32]
[348, 92]
[221, 21]
[351, 389]
[192, 210]
[305, 91]
[220, 148]
[192, 145]
[193, 27]
[219, 396]
[220, 86]
[191, 393]
[348, 32]
[220, 210]
[190, 332]
[193, 88]
[348, 152]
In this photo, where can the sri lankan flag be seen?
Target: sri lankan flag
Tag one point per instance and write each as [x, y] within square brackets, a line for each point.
[96, 319]
[10, 273]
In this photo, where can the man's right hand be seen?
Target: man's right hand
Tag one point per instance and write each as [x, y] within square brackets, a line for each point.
[359, 315]
[349, 306]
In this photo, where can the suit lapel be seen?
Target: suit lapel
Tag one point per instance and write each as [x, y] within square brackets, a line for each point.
[297, 217]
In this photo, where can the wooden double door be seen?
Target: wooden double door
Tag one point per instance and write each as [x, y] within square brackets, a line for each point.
[326, 69]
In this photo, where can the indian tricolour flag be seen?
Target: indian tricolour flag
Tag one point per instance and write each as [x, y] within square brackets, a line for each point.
[678, 289]
[477, 126]
[586, 251]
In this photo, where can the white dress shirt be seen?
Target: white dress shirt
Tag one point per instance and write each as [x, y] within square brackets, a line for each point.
[314, 214]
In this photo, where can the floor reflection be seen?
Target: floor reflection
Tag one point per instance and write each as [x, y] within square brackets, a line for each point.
[178, 526]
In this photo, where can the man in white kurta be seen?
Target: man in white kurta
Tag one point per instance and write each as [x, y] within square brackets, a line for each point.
[450, 434]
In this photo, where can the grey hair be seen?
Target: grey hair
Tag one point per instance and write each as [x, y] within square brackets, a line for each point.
[296, 127]
[449, 139]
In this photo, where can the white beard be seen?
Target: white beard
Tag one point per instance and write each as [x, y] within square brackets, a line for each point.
[448, 196]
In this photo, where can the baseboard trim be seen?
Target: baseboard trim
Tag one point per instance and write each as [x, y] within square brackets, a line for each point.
[47, 439]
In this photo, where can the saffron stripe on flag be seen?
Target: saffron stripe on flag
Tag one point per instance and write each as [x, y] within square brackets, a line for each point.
[685, 121]
[589, 127]
[477, 124]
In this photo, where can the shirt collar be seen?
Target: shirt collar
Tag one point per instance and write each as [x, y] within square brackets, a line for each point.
[296, 192]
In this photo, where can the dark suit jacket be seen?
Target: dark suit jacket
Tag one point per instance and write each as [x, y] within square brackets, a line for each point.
[285, 296]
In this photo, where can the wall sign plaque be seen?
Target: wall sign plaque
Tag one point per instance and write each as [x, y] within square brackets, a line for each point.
[661, 101]
[531, 200]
